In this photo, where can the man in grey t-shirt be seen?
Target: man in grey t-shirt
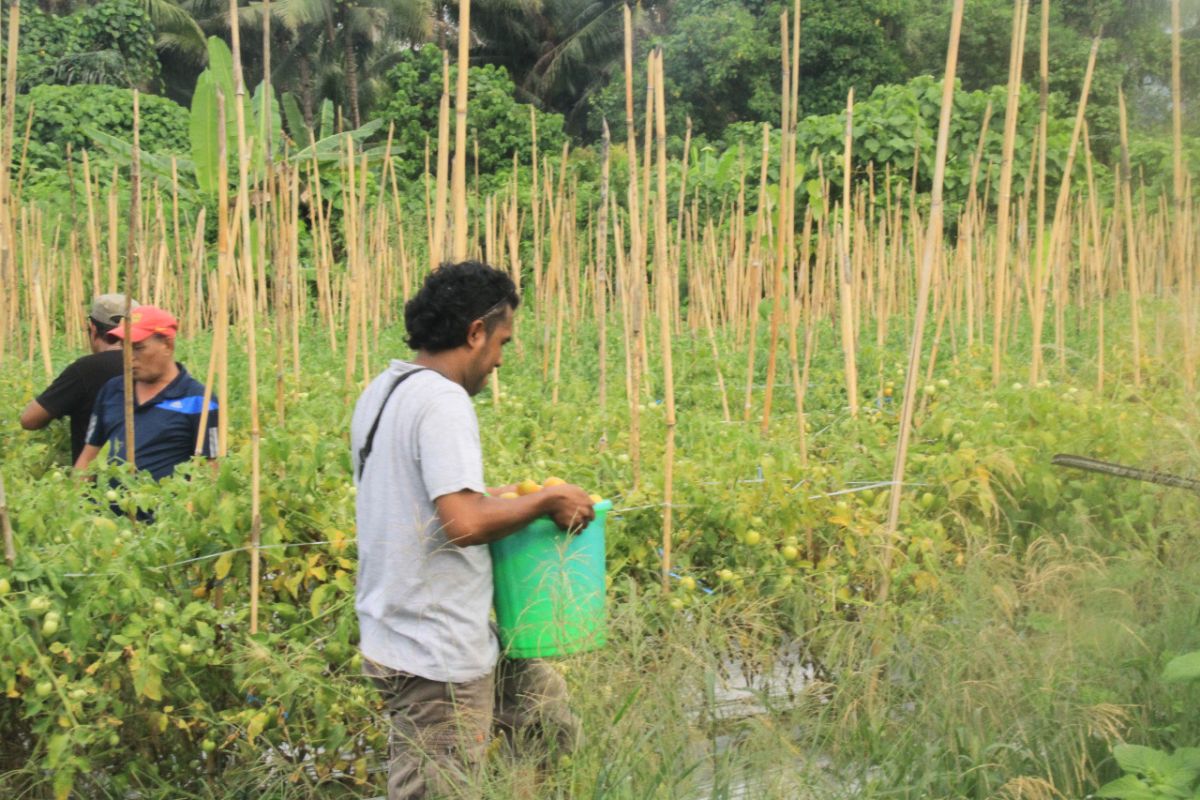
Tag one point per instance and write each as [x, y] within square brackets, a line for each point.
[425, 518]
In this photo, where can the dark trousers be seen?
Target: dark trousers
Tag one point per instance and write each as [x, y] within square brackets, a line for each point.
[438, 733]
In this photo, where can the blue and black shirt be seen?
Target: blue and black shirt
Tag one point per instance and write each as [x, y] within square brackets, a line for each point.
[165, 426]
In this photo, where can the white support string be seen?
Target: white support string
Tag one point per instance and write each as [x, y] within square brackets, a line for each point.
[616, 512]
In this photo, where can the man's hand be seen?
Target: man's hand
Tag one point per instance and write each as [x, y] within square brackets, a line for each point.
[470, 518]
[569, 507]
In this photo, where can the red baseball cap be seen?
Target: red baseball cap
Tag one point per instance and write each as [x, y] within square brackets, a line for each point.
[146, 321]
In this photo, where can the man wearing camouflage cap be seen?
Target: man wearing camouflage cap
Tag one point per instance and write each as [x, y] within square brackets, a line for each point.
[73, 392]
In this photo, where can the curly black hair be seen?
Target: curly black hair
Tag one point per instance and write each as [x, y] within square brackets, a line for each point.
[454, 296]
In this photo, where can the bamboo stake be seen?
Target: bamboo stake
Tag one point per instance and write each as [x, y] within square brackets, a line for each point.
[224, 267]
[847, 281]
[92, 229]
[437, 251]
[349, 193]
[219, 331]
[131, 265]
[602, 282]
[636, 268]
[179, 266]
[662, 269]
[251, 324]
[113, 235]
[924, 278]
[1131, 265]
[1011, 116]
[1094, 254]
[24, 152]
[786, 223]
[754, 295]
[1057, 224]
[535, 206]
[460, 132]
[8, 260]
[1180, 234]
[1039, 258]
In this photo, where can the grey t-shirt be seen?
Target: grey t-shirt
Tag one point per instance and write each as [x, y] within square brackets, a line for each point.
[422, 602]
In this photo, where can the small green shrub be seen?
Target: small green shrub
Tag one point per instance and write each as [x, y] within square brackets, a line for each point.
[1152, 774]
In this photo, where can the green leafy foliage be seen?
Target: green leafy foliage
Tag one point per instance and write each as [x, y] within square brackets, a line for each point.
[499, 124]
[894, 129]
[1152, 774]
[722, 61]
[110, 42]
[108, 655]
[64, 114]
[149, 680]
[1183, 668]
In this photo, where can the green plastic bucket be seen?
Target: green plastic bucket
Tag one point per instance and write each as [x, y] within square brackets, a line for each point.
[549, 588]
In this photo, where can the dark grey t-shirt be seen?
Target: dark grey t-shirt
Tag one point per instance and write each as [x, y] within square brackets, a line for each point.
[422, 602]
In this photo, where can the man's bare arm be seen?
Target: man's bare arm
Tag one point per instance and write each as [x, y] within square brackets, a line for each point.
[470, 518]
[87, 456]
[35, 416]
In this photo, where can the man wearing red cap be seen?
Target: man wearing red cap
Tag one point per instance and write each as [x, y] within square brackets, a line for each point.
[168, 403]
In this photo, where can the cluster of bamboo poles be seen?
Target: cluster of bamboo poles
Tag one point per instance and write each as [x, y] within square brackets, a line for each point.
[659, 263]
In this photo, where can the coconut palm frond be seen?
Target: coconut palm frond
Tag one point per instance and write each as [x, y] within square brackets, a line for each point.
[181, 45]
[296, 14]
[584, 47]
[177, 29]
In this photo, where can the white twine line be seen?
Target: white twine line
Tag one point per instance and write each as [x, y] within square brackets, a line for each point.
[616, 512]
[210, 556]
[864, 488]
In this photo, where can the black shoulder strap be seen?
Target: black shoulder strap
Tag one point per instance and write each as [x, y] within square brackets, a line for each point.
[364, 452]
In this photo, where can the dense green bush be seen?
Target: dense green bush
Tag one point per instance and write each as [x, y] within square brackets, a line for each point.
[110, 42]
[499, 124]
[895, 128]
[64, 114]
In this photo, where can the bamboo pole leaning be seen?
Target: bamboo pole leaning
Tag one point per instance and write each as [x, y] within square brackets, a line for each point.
[924, 280]
[1004, 197]
[786, 222]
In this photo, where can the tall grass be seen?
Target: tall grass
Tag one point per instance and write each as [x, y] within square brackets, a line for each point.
[1014, 681]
